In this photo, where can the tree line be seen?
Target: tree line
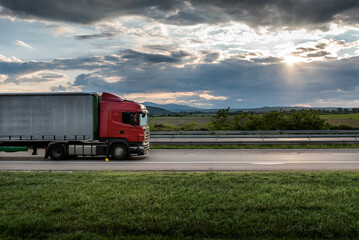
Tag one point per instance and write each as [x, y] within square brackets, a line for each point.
[275, 120]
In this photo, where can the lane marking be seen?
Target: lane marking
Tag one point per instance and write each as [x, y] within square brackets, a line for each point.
[192, 162]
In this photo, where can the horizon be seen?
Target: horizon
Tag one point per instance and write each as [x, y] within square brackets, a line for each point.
[235, 108]
[209, 55]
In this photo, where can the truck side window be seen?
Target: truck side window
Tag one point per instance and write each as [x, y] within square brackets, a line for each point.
[126, 118]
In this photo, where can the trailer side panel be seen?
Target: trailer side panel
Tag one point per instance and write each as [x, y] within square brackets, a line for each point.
[46, 117]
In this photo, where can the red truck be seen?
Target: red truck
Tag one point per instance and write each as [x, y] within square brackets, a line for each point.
[74, 124]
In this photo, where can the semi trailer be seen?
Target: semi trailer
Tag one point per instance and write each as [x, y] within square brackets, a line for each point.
[74, 124]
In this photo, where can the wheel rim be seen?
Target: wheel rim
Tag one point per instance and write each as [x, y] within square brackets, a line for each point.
[57, 152]
[119, 152]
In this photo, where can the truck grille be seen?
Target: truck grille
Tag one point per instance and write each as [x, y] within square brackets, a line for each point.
[147, 138]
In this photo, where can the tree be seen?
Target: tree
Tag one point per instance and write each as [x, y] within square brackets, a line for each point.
[221, 120]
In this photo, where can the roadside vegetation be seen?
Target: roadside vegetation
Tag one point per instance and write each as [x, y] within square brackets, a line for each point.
[178, 205]
[274, 120]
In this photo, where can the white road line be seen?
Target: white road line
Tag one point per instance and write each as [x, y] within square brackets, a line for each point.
[192, 162]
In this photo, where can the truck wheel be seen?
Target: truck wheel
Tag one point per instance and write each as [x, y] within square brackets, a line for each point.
[119, 152]
[57, 152]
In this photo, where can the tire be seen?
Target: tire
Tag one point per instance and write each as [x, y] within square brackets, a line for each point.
[57, 152]
[119, 152]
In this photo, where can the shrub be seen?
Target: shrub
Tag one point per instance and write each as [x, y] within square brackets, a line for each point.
[294, 120]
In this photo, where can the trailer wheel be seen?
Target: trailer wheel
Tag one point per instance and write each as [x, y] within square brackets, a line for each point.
[57, 152]
[119, 152]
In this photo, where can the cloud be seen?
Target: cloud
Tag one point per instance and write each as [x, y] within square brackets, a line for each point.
[196, 98]
[282, 13]
[211, 57]
[8, 60]
[91, 36]
[220, 83]
[40, 77]
[59, 30]
[318, 54]
[322, 50]
[3, 77]
[153, 58]
[22, 44]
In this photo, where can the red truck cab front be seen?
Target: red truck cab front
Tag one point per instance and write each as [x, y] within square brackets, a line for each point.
[124, 122]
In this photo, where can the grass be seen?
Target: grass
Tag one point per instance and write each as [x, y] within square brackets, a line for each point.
[180, 120]
[343, 119]
[178, 123]
[201, 122]
[177, 205]
[354, 116]
[257, 146]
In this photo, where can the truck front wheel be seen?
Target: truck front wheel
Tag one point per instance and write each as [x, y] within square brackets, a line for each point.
[119, 152]
[57, 152]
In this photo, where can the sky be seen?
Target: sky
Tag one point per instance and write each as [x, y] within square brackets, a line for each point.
[206, 54]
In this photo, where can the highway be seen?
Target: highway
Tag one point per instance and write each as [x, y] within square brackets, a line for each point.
[195, 160]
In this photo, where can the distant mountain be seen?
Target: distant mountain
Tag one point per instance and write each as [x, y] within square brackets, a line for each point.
[157, 111]
[269, 109]
[166, 109]
[172, 107]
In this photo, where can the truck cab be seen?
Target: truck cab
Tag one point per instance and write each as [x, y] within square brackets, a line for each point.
[123, 123]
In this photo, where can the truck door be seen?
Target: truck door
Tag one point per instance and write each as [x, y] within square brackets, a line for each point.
[119, 126]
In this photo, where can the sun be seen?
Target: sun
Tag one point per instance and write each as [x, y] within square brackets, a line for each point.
[290, 59]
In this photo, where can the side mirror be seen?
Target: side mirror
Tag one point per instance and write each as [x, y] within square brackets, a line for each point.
[133, 119]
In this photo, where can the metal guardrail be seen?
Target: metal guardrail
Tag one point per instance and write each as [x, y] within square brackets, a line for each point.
[270, 137]
[258, 136]
[291, 142]
[255, 132]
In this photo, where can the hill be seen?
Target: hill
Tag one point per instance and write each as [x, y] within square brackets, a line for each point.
[157, 111]
[172, 107]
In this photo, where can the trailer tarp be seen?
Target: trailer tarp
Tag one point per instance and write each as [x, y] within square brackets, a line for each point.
[56, 116]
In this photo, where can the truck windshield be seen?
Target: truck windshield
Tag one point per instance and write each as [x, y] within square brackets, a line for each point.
[143, 121]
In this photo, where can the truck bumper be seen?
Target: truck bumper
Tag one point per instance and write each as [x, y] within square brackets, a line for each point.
[139, 148]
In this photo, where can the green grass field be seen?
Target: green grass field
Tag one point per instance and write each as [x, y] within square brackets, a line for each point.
[180, 121]
[200, 122]
[177, 205]
[354, 116]
[346, 119]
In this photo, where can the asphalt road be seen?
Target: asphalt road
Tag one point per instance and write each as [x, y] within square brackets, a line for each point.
[195, 160]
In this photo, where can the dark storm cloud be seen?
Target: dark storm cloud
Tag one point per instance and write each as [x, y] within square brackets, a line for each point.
[93, 81]
[160, 47]
[91, 36]
[268, 60]
[84, 11]
[275, 13]
[321, 49]
[147, 57]
[211, 57]
[16, 68]
[318, 54]
[123, 58]
[180, 54]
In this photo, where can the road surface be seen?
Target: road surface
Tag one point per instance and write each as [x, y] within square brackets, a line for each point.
[195, 160]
